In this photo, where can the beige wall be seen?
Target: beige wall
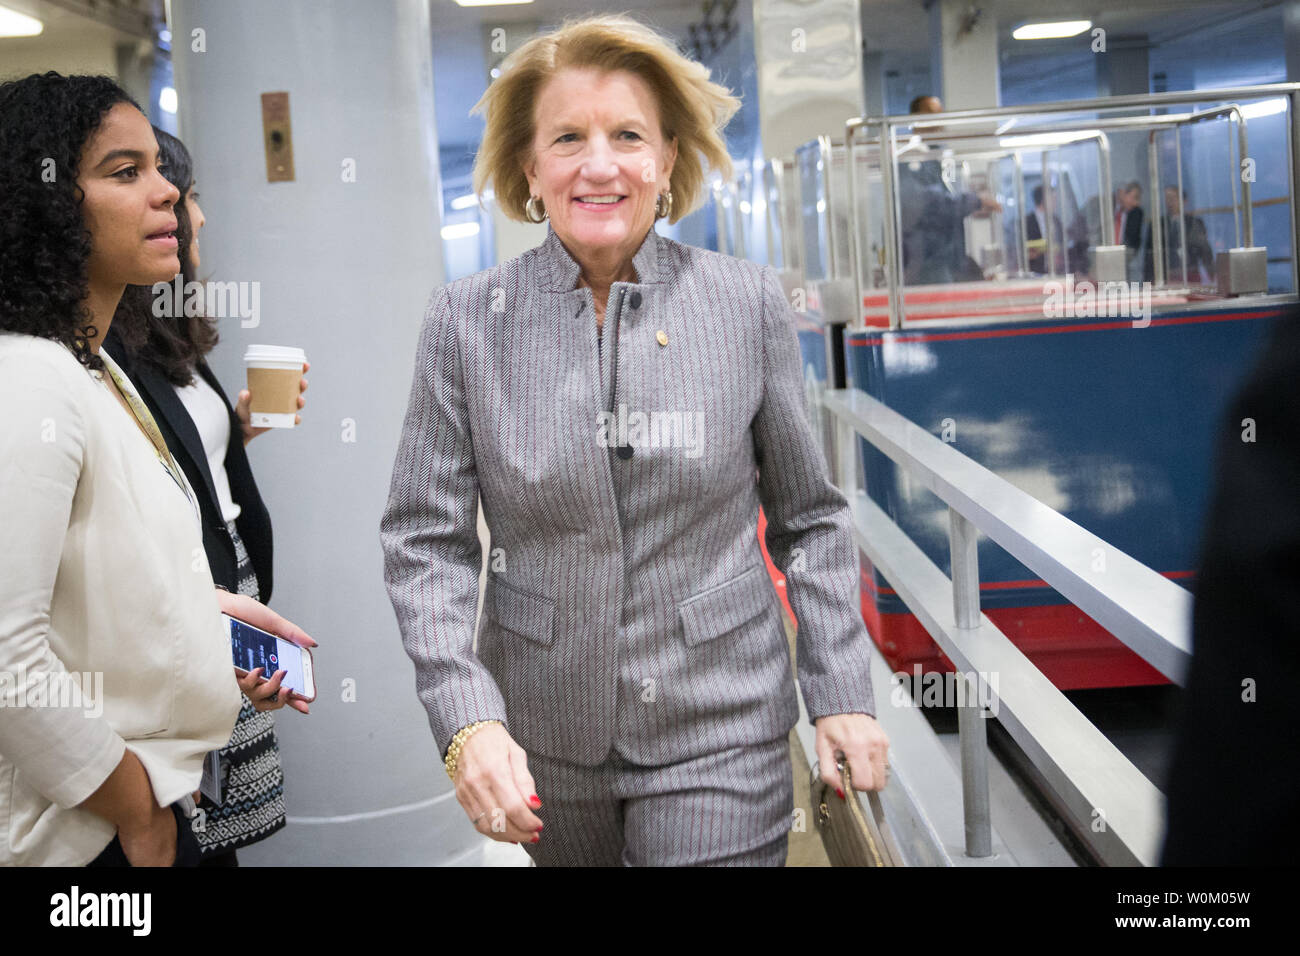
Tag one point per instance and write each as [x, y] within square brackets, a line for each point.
[91, 51]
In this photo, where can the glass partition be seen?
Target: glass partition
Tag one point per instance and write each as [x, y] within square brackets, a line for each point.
[989, 215]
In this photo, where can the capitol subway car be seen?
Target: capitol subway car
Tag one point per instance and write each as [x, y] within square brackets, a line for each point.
[987, 281]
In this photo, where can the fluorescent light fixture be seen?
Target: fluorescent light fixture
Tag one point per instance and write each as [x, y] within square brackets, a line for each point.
[1055, 30]
[467, 201]
[15, 24]
[494, 72]
[1264, 108]
[1047, 139]
[460, 230]
[167, 99]
[488, 3]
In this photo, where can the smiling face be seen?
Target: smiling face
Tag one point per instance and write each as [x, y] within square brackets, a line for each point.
[599, 162]
[128, 204]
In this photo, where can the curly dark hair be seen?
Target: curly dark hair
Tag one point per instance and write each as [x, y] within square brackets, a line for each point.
[173, 344]
[45, 122]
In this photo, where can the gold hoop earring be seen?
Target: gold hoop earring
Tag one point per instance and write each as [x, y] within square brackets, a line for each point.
[530, 209]
[664, 204]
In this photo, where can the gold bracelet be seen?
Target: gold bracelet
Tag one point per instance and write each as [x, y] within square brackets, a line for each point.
[458, 741]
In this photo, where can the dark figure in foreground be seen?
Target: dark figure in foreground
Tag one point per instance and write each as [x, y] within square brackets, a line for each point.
[1234, 787]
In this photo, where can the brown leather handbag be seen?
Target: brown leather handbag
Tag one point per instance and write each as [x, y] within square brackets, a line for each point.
[853, 830]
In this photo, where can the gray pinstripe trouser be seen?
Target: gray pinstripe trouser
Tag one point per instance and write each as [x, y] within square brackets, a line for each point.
[731, 808]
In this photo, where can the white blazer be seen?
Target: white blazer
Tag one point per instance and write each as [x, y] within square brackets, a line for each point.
[102, 575]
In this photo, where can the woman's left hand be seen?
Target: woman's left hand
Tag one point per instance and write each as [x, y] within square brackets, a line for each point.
[242, 409]
[266, 695]
[864, 745]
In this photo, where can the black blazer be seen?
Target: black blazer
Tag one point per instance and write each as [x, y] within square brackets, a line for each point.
[182, 438]
[1132, 229]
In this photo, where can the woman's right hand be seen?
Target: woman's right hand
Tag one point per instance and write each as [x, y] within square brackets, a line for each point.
[495, 788]
[150, 841]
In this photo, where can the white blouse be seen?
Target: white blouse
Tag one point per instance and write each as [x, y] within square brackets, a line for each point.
[213, 423]
[104, 591]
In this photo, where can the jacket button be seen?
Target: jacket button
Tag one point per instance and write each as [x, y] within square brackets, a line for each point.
[635, 300]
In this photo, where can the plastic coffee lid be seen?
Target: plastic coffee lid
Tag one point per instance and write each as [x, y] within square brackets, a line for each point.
[275, 353]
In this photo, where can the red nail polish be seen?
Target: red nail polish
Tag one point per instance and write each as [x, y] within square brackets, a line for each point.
[540, 825]
[536, 837]
[840, 792]
[535, 801]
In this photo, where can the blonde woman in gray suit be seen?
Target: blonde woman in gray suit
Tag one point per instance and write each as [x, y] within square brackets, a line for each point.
[622, 404]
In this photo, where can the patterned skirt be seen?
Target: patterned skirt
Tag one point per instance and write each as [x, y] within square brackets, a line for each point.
[252, 781]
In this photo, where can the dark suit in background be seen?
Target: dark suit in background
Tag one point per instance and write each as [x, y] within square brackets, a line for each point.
[1234, 787]
[253, 523]
[1038, 260]
[933, 224]
[1200, 254]
[1130, 229]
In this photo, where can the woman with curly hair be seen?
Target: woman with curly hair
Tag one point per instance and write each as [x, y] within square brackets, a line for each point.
[115, 671]
[163, 355]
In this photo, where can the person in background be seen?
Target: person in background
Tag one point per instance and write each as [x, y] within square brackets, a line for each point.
[1179, 226]
[165, 357]
[1036, 225]
[99, 580]
[933, 212]
[1128, 224]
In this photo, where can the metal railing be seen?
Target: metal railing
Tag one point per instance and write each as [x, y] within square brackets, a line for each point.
[1119, 812]
[1088, 114]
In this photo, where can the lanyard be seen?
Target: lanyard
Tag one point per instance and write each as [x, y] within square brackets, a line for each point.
[150, 428]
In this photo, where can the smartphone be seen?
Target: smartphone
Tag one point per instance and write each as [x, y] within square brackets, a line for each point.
[251, 647]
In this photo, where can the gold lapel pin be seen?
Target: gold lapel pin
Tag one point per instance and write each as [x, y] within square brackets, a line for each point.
[662, 337]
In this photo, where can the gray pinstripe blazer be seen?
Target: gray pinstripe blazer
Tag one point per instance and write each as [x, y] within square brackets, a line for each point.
[627, 601]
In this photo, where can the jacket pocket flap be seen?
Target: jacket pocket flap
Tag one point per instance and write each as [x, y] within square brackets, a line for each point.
[529, 615]
[726, 606]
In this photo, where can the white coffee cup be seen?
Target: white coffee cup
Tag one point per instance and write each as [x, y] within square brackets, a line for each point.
[274, 374]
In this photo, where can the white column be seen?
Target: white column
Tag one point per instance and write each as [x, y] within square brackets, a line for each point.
[809, 56]
[964, 54]
[346, 256]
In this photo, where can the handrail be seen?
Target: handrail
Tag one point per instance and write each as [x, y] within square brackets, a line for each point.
[1149, 613]
[1146, 611]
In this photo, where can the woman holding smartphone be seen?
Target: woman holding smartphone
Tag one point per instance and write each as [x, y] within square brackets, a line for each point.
[115, 669]
[164, 356]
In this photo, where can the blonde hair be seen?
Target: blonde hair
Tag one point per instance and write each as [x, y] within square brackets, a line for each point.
[692, 108]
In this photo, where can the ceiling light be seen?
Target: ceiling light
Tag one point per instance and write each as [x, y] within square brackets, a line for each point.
[167, 99]
[15, 24]
[1055, 30]
[1046, 139]
[466, 201]
[1264, 108]
[488, 3]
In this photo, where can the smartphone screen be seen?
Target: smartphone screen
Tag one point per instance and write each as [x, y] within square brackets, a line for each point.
[252, 647]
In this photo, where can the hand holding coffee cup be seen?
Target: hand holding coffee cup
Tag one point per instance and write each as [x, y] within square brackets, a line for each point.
[275, 387]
